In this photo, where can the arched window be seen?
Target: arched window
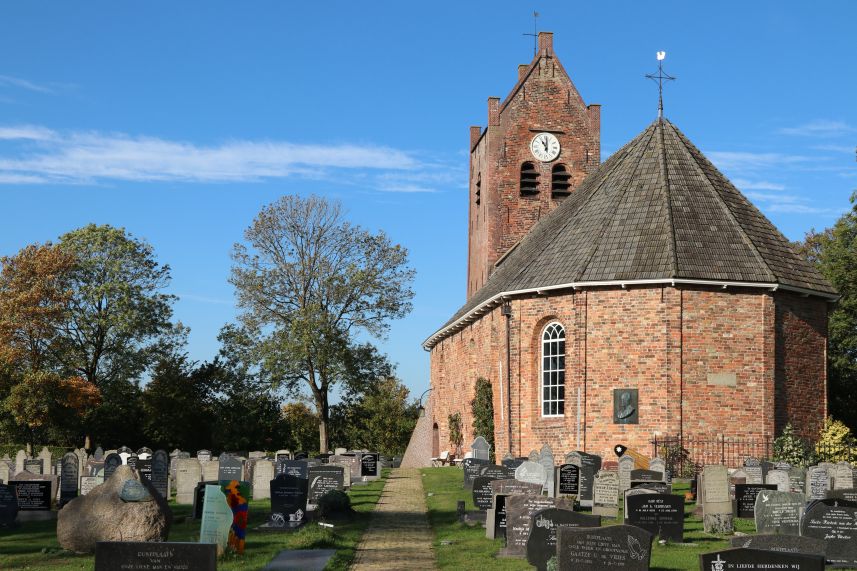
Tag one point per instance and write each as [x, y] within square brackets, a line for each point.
[560, 181]
[553, 370]
[529, 179]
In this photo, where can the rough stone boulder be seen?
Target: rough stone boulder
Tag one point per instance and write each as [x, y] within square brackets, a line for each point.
[103, 514]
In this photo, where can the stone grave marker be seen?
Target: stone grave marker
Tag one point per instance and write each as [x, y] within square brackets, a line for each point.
[531, 472]
[216, 518]
[188, 475]
[89, 483]
[716, 503]
[658, 465]
[847, 495]
[8, 505]
[230, 468]
[816, 483]
[745, 498]
[797, 480]
[626, 465]
[497, 472]
[483, 494]
[836, 523]
[586, 481]
[144, 468]
[519, 518]
[659, 514]
[296, 468]
[591, 460]
[369, 466]
[480, 449]
[263, 473]
[472, 467]
[759, 560]
[546, 460]
[131, 460]
[784, 466]
[737, 477]
[646, 476]
[541, 544]
[605, 494]
[323, 479]
[46, 457]
[5, 472]
[301, 455]
[112, 462]
[534, 456]
[171, 556]
[346, 469]
[288, 501]
[613, 547]
[160, 476]
[203, 455]
[780, 478]
[778, 512]
[353, 463]
[98, 454]
[33, 495]
[20, 457]
[199, 497]
[753, 469]
[211, 470]
[782, 543]
[574, 457]
[34, 466]
[495, 520]
[513, 463]
[286, 454]
[567, 480]
[633, 492]
[70, 472]
[843, 476]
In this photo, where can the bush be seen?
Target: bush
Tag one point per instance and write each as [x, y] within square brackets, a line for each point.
[677, 459]
[334, 504]
[835, 443]
[483, 413]
[456, 437]
[791, 448]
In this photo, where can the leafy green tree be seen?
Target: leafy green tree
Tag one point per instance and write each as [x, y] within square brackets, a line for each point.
[791, 448]
[483, 412]
[301, 427]
[308, 284]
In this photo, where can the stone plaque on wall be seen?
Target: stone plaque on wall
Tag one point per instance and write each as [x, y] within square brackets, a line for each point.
[625, 406]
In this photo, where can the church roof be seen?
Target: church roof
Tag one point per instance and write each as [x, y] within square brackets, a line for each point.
[656, 210]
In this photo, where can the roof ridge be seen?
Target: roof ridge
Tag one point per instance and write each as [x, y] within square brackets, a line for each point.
[666, 177]
[722, 203]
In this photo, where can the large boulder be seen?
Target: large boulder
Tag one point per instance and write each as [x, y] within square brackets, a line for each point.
[123, 508]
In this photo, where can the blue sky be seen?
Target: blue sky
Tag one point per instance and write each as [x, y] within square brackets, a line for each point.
[180, 120]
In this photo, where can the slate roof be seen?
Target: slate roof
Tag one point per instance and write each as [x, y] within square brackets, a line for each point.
[656, 209]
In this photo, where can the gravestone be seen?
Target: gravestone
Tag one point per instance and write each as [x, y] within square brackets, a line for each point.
[519, 518]
[89, 483]
[480, 449]
[216, 518]
[847, 495]
[296, 468]
[323, 479]
[46, 457]
[70, 472]
[211, 470]
[595, 549]
[782, 543]
[188, 475]
[816, 483]
[495, 521]
[98, 454]
[131, 460]
[753, 469]
[6, 468]
[626, 465]
[483, 494]
[353, 463]
[34, 466]
[263, 473]
[346, 470]
[94, 468]
[513, 463]
[716, 503]
[286, 454]
[634, 492]
[497, 472]
[574, 457]
[759, 560]
[780, 478]
[160, 476]
[646, 476]
[745, 498]
[111, 462]
[797, 480]
[843, 476]
[203, 455]
[531, 472]
[20, 457]
[585, 481]
[144, 468]
[836, 523]
[472, 467]
[659, 514]
[144, 453]
[230, 468]
[300, 455]
[32, 495]
[8, 506]
[784, 466]
[369, 467]
[567, 480]
[605, 494]
[778, 512]
[534, 456]
[199, 497]
[591, 460]
[547, 461]
[541, 544]
[168, 556]
[288, 500]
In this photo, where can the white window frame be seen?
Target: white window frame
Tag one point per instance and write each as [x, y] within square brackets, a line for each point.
[546, 381]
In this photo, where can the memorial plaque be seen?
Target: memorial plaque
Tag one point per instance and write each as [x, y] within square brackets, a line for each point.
[167, 556]
[541, 544]
[778, 512]
[625, 406]
[472, 468]
[567, 480]
[288, 499]
[817, 479]
[837, 524]
[8, 505]
[783, 543]
[531, 472]
[323, 479]
[295, 468]
[605, 494]
[595, 549]
[759, 560]
[659, 514]
[69, 472]
[480, 449]
[780, 478]
[203, 455]
[519, 518]
[745, 498]
[369, 465]
[483, 495]
[33, 495]
[230, 468]
[510, 487]
[497, 472]
[111, 462]
[89, 483]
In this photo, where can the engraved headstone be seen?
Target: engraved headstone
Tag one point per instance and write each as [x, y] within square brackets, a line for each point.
[836, 523]
[32, 495]
[188, 475]
[472, 468]
[323, 479]
[782, 543]
[263, 473]
[89, 483]
[480, 449]
[20, 457]
[626, 465]
[8, 505]
[778, 512]
[111, 462]
[745, 498]
[169, 556]
[497, 472]
[98, 454]
[46, 457]
[547, 461]
[531, 472]
[797, 480]
[534, 456]
[613, 547]
[513, 463]
[816, 483]
[753, 469]
[483, 495]
[300, 455]
[288, 500]
[287, 455]
[519, 517]
[35, 466]
[203, 455]
[369, 466]
[567, 480]
[658, 465]
[230, 468]
[716, 504]
[659, 514]
[780, 478]
[496, 514]
[843, 476]
[541, 544]
[216, 518]
[211, 470]
[160, 475]
[646, 476]
[759, 560]
[605, 494]
[847, 495]
[69, 477]
[631, 493]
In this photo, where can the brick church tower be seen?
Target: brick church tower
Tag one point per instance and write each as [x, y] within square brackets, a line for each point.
[540, 143]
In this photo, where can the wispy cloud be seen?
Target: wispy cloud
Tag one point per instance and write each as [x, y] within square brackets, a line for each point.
[850, 149]
[78, 157]
[820, 128]
[744, 184]
[21, 83]
[745, 161]
[776, 202]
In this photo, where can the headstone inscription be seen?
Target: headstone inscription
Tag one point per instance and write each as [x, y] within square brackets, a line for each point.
[369, 467]
[285, 455]
[836, 523]
[816, 483]
[296, 468]
[626, 465]
[783, 543]
[780, 478]
[753, 469]
[531, 472]
[323, 479]
[168, 556]
[70, 472]
[34, 466]
[589, 466]
[659, 514]
[646, 476]
[288, 500]
[8, 505]
[605, 494]
[497, 472]
[211, 470]
[513, 463]
[160, 476]
[541, 544]
[496, 515]
[483, 495]
[199, 498]
[519, 518]
[759, 560]
[203, 455]
[745, 498]
[216, 518]
[634, 492]
[716, 502]
[230, 468]
[33, 495]
[132, 460]
[778, 512]
[89, 483]
[613, 547]
[263, 473]
[472, 468]
[847, 495]
[843, 476]
[568, 480]
[480, 449]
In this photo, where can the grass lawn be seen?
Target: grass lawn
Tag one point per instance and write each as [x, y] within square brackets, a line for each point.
[33, 546]
[459, 546]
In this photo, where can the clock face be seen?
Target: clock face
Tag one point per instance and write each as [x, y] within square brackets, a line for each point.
[545, 147]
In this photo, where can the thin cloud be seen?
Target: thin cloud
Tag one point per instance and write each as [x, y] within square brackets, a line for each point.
[21, 83]
[819, 128]
[26, 132]
[745, 161]
[757, 185]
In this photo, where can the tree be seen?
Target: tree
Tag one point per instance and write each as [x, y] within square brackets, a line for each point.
[302, 427]
[483, 412]
[308, 284]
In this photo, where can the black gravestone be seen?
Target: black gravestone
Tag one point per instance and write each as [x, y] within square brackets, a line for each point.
[513, 463]
[301, 455]
[659, 514]
[759, 560]
[288, 499]
[659, 487]
[230, 468]
[112, 462]
[132, 461]
[144, 468]
[482, 492]
[497, 472]
[784, 543]
[472, 468]
[323, 479]
[369, 465]
[585, 482]
[541, 545]
[170, 556]
[745, 498]
[591, 460]
[568, 480]
[33, 495]
[836, 522]
[8, 506]
[69, 473]
[160, 475]
[646, 476]
[199, 498]
[848, 494]
[500, 516]
[779, 512]
[296, 468]
[519, 517]
[613, 547]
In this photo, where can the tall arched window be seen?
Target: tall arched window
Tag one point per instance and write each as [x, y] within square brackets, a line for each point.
[560, 181]
[529, 179]
[553, 370]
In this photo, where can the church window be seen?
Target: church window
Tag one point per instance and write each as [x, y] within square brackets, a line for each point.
[553, 370]
[560, 181]
[529, 179]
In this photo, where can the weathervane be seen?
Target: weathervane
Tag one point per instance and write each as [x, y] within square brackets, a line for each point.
[659, 79]
[535, 33]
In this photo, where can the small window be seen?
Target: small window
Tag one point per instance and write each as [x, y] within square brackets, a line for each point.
[560, 181]
[553, 370]
[478, 189]
[529, 179]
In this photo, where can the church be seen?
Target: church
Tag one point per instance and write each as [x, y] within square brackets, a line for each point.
[621, 301]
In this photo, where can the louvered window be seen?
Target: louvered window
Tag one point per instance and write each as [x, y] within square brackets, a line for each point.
[560, 181]
[478, 189]
[553, 370]
[529, 179]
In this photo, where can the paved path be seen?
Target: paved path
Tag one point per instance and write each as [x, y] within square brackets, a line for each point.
[398, 536]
